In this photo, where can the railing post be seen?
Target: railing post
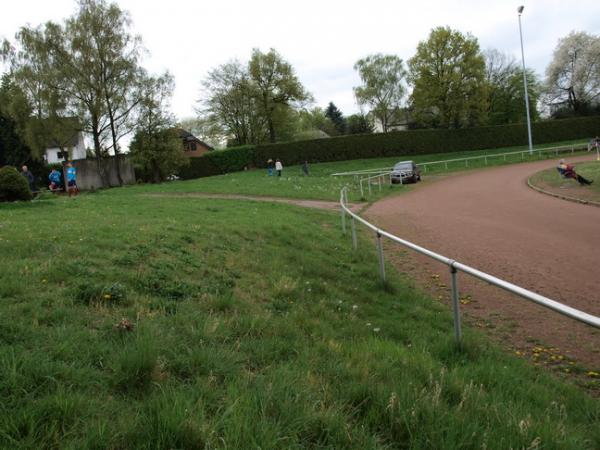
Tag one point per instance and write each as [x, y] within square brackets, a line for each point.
[369, 181]
[390, 178]
[354, 239]
[486, 160]
[380, 182]
[343, 213]
[362, 194]
[455, 305]
[381, 260]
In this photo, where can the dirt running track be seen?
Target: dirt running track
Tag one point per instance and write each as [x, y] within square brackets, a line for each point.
[491, 220]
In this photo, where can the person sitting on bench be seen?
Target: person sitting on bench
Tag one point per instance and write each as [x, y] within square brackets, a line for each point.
[568, 171]
[55, 180]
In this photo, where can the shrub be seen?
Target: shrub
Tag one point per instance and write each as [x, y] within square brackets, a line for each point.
[397, 143]
[13, 186]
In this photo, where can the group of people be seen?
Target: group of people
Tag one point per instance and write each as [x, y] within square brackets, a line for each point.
[277, 166]
[55, 179]
[274, 166]
[568, 171]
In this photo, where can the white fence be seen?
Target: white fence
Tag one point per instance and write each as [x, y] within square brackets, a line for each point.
[455, 267]
[556, 151]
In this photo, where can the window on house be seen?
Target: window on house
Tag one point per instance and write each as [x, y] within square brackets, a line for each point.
[62, 155]
[193, 146]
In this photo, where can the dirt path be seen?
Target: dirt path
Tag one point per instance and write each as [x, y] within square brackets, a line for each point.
[318, 204]
[492, 220]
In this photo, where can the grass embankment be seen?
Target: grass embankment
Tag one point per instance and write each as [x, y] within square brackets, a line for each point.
[551, 181]
[136, 322]
[320, 185]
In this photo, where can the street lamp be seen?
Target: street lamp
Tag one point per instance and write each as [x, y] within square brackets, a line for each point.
[520, 11]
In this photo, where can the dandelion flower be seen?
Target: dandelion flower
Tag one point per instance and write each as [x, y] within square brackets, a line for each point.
[376, 330]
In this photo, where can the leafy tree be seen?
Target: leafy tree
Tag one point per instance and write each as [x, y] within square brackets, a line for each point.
[314, 123]
[505, 91]
[115, 53]
[156, 148]
[13, 150]
[277, 87]
[336, 116]
[231, 104]
[359, 124]
[573, 76]
[383, 86]
[448, 77]
[255, 103]
[86, 67]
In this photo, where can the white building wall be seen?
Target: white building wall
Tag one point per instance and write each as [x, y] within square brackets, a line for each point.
[77, 152]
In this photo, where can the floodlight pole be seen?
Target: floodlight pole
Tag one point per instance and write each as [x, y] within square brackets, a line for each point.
[520, 11]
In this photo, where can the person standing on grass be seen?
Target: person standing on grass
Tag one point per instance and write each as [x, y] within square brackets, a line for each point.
[305, 168]
[278, 167]
[29, 177]
[72, 179]
[270, 167]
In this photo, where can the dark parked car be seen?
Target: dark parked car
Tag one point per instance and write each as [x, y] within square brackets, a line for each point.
[406, 172]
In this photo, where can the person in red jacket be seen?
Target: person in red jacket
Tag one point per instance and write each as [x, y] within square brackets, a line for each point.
[568, 171]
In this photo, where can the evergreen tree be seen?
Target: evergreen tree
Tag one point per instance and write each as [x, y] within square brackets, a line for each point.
[336, 116]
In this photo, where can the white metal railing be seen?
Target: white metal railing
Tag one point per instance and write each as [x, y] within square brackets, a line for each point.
[455, 267]
[425, 165]
[380, 176]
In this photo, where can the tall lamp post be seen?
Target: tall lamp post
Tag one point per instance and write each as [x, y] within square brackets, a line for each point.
[520, 11]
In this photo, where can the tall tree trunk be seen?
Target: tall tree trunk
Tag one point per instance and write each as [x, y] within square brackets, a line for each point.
[271, 130]
[113, 132]
[98, 153]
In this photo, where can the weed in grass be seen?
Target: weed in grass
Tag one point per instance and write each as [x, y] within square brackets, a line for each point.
[136, 365]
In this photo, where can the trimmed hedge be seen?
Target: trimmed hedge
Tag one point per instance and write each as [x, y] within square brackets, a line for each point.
[398, 143]
[13, 186]
[219, 162]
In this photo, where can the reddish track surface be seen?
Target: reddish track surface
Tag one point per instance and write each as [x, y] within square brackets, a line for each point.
[491, 220]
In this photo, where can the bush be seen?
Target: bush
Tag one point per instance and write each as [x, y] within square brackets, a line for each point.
[397, 143]
[13, 186]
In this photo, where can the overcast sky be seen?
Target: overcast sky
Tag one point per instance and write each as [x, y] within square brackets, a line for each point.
[322, 39]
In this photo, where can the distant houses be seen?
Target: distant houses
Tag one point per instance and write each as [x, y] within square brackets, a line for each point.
[192, 146]
[72, 149]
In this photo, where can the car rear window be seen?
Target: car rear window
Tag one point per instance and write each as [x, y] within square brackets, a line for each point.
[403, 166]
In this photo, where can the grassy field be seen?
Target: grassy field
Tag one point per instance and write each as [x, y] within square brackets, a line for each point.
[550, 180]
[135, 322]
[321, 185]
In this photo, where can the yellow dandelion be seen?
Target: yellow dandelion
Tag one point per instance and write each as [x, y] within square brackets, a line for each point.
[106, 296]
[593, 374]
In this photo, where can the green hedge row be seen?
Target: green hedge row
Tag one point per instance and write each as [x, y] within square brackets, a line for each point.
[398, 143]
